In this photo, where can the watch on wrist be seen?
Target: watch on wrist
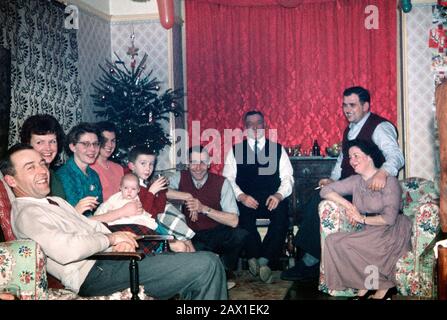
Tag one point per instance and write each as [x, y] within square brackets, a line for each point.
[206, 211]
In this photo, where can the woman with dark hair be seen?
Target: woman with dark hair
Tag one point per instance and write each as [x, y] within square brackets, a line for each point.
[81, 183]
[44, 133]
[366, 259]
[110, 173]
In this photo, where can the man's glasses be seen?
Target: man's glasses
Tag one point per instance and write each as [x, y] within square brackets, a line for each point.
[88, 144]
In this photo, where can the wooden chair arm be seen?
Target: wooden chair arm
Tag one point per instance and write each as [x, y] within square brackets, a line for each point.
[442, 273]
[138, 256]
[155, 237]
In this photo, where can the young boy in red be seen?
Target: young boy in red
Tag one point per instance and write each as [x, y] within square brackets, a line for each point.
[153, 197]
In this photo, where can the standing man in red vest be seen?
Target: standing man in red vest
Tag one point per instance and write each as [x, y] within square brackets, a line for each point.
[212, 212]
[363, 125]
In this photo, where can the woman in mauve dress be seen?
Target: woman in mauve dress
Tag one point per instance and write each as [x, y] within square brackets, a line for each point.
[366, 260]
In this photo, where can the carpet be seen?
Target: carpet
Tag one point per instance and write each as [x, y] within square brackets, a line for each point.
[251, 288]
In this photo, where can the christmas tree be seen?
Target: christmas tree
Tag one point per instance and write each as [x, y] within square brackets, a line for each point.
[131, 100]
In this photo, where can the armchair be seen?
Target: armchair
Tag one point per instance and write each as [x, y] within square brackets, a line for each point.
[414, 271]
[23, 263]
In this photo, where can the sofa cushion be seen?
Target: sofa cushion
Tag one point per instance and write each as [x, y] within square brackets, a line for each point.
[23, 263]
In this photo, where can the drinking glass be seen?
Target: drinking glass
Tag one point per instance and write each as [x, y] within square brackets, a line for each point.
[159, 175]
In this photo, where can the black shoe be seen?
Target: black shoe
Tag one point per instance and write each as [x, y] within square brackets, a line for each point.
[364, 297]
[301, 272]
[388, 295]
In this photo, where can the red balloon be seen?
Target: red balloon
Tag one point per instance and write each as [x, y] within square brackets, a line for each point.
[166, 12]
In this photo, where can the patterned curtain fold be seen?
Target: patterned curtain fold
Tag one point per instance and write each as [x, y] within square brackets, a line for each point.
[291, 63]
[44, 63]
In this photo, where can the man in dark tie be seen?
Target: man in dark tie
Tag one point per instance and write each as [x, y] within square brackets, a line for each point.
[261, 175]
[69, 238]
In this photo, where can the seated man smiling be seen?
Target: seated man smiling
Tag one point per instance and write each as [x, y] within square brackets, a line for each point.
[68, 239]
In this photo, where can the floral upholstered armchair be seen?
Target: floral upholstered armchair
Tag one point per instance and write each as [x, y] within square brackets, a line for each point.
[415, 270]
[23, 263]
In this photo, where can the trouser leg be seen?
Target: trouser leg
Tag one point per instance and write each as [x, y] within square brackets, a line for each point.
[224, 240]
[198, 276]
[247, 221]
[274, 240]
[308, 236]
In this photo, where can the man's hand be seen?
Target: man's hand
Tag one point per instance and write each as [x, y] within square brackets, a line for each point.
[194, 205]
[123, 247]
[273, 201]
[378, 180]
[86, 204]
[248, 201]
[122, 241]
[194, 216]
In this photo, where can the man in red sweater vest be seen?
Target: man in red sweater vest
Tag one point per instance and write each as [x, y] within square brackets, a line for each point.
[212, 213]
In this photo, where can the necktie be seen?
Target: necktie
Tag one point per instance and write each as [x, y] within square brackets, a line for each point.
[199, 185]
[52, 202]
[256, 151]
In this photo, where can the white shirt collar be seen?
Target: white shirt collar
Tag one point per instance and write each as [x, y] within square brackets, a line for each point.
[201, 182]
[142, 183]
[261, 142]
[361, 122]
[43, 200]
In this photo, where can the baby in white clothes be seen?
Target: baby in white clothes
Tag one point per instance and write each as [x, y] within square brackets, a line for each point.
[129, 189]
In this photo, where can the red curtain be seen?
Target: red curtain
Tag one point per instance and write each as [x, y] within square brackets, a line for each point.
[291, 63]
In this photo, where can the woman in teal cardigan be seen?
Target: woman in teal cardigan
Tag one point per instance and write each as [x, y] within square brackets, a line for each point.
[81, 183]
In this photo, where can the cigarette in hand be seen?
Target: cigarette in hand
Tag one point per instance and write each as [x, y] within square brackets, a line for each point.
[319, 187]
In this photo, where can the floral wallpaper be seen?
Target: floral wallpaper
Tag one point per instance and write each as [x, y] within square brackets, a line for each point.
[44, 62]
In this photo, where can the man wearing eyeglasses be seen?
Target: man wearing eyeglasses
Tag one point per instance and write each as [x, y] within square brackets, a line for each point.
[212, 210]
[81, 184]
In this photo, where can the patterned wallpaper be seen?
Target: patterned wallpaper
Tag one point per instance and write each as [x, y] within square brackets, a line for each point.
[44, 63]
[420, 115]
[94, 47]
